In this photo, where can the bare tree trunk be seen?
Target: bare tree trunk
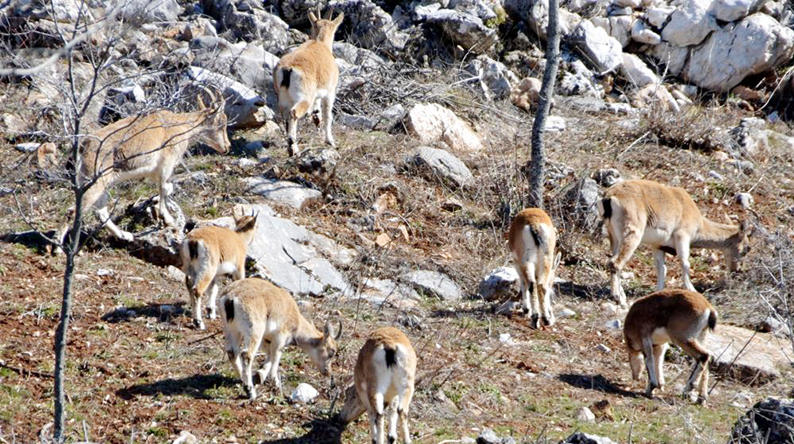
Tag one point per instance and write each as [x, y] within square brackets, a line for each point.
[66, 305]
[537, 161]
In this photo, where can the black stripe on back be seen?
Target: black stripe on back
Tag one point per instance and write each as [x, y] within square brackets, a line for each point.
[391, 359]
[228, 305]
[286, 73]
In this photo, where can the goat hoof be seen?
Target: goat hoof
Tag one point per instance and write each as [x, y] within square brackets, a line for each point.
[525, 311]
[126, 236]
[534, 321]
[198, 324]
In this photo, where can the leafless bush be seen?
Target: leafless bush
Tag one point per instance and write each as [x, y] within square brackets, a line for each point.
[694, 128]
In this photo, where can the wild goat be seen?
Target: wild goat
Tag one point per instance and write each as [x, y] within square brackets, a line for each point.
[531, 240]
[146, 146]
[209, 252]
[384, 377]
[667, 219]
[307, 74]
[255, 309]
[682, 317]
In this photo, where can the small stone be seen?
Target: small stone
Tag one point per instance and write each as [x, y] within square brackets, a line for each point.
[584, 414]
[304, 393]
[104, 272]
[505, 338]
[603, 348]
[28, 147]
[614, 324]
[565, 313]
[745, 200]
[627, 275]
[185, 437]
[175, 274]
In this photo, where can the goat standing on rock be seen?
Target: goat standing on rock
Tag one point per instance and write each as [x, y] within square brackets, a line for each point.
[145, 146]
[209, 252]
[307, 74]
[666, 218]
[255, 310]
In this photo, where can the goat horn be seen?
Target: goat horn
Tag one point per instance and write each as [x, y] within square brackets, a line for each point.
[338, 331]
[330, 13]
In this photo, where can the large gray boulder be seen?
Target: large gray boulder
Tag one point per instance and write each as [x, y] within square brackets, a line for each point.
[430, 122]
[600, 49]
[435, 284]
[673, 57]
[586, 438]
[442, 164]
[754, 45]
[247, 63]
[690, 24]
[636, 71]
[535, 13]
[464, 29]
[619, 27]
[499, 284]
[259, 25]
[770, 421]
[244, 107]
[746, 356]
[372, 27]
[292, 257]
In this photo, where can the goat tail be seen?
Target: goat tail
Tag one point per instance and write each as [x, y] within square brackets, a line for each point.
[193, 253]
[713, 319]
[228, 309]
[605, 208]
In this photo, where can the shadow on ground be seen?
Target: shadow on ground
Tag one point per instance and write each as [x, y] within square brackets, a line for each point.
[321, 431]
[194, 386]
[597, 383]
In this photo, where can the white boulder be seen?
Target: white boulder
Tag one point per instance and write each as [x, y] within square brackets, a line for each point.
[430, 122]
[690, 24]
[733, 10]
[636, 71]
[603, 51]
[755, 45]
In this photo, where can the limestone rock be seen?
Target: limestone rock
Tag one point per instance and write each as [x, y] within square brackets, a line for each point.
[673, 57]
[641, 33]
[636, 71]
[464, 29]
[372, 27]
[281, 192]
[584, 414]
[430, 123]
[753, 46]
[618, 27]
[244, 108]
[585, 438]
[495, 79]
[758, 362]
[690, 24]
[599, 48]
[146, 11]
[499, 284]
[733, 10]
[443, 165]
[435, 284]
[658, 15]
[580, 200]
[535, 13]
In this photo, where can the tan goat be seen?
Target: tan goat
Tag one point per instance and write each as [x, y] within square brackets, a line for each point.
[146, 146]
[666, 218]
[307, 74]
[531, 241]
[255, 310]
[209, 252]
[384, 377]
[682, 317]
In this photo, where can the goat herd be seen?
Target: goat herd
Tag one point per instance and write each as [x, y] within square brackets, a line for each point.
[254, 310]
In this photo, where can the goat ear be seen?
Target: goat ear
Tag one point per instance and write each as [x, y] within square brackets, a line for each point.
[338, 19]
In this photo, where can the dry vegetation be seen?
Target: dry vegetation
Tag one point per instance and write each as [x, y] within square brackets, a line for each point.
[145, 377]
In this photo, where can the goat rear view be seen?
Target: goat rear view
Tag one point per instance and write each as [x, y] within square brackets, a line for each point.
[384, 377]
[682, 317]
[210, 252]
[532, 239]
[253, 311]
[307, 74]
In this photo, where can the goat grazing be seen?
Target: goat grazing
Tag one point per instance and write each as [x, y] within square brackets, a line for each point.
[209, 252]
[145, 146]
[384, 377]
[531, 240]
[682, 317]
[307, 74]
[666, 218]
[256, 310]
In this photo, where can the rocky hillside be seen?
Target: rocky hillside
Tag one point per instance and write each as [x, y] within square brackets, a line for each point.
[403, 223]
